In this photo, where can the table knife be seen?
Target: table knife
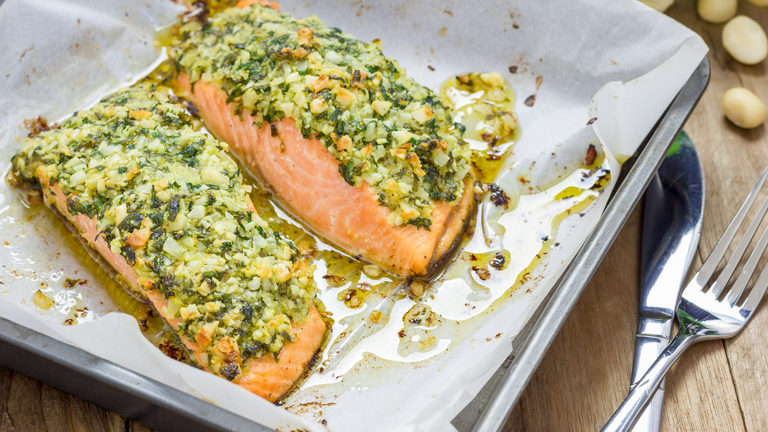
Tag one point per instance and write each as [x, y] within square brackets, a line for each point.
[674, 207]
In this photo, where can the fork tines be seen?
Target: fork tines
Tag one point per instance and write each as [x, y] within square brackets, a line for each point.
[713, 260]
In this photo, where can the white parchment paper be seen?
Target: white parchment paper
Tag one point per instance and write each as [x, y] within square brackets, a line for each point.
[59, 56]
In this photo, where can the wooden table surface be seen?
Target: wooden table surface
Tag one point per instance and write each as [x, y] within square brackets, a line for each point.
[717, 386]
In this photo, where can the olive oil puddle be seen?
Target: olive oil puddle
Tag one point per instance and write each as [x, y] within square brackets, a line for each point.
[484, 103]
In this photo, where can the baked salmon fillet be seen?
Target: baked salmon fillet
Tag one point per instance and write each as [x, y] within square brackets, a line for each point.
[164, 206]
[365, 156]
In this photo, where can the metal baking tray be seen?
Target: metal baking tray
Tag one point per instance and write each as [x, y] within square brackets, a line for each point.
[159, 406]
[489, 411]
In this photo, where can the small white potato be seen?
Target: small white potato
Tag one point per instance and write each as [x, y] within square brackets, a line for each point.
[659, 5]
[743, 108]
[745, 40]
[717, 11]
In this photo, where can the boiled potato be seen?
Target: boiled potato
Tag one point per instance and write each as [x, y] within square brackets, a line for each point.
[745, 40]
[743, 108]
[717, 11]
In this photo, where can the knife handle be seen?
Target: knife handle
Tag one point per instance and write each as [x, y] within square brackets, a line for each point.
[650, 419]
[647, 349]
[642, 393]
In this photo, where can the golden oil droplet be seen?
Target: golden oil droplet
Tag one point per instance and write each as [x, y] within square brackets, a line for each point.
[484, 104]
[42, 301]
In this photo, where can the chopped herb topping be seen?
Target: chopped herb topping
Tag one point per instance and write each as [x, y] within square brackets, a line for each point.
[385, 129]
[170, 201]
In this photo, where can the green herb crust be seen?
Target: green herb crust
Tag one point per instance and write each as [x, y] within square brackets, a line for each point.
[170, 200]
[384, 128]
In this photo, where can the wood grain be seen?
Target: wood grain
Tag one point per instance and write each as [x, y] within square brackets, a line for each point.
[138, 427]
[584, 377]
[6, 424]
[733, 159]
[28, 405]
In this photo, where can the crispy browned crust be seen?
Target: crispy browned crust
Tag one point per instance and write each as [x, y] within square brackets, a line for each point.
[454, 230]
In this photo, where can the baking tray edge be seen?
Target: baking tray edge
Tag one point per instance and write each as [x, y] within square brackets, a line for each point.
[489, 411]
[111, 386]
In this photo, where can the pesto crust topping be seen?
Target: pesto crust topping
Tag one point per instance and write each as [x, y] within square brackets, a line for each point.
[170, 200]
[384, 128]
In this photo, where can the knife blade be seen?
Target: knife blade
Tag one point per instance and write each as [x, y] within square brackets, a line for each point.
[674, 207]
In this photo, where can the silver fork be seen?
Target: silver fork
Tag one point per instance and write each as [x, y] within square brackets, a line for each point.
[702, 315]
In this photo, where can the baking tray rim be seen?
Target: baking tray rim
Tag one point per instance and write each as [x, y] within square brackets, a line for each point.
[491, 408]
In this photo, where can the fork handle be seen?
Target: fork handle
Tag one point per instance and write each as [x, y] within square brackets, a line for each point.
[641, 394]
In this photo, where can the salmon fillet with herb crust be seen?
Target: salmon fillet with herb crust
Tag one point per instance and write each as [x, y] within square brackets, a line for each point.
[164, 207]
[366, 157]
